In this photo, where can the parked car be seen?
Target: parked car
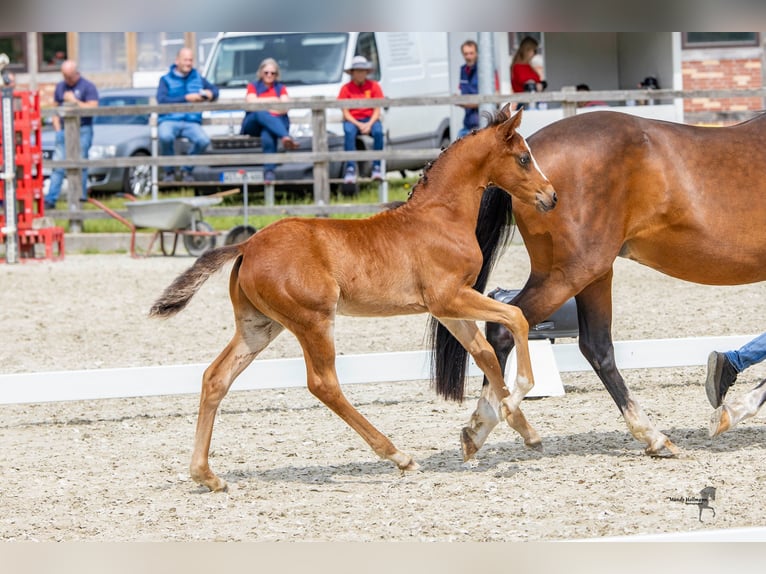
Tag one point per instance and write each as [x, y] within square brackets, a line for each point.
[116, 136]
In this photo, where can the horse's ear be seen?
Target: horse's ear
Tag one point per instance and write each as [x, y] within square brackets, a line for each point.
[510, 126]
[506, 111]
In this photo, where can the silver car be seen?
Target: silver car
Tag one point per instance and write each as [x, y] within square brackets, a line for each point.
[116, 136]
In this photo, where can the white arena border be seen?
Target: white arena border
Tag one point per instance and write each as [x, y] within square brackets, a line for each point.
[548, 361]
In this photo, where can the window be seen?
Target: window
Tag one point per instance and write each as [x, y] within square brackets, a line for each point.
[205, 41]
[15, 47]
[720, 39]
[157, 50]
[366, 46]
[52, 50]
[102, 52]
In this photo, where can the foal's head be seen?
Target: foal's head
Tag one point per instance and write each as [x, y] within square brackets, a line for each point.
[508, 162]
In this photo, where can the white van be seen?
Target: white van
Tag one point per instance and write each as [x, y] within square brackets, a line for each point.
[312, 63]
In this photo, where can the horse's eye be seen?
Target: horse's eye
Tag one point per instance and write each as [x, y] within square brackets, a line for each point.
[524, 160]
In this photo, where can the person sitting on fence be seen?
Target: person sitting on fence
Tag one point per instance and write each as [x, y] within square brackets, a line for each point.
[183, 83]
[271, 125]
[361, 120]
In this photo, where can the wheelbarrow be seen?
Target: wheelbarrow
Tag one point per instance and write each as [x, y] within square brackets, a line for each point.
[181, 217]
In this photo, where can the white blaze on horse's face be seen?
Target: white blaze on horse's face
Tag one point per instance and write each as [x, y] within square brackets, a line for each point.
[534, 161]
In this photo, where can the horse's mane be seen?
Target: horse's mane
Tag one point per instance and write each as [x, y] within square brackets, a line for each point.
[493, 232]
[493, 120]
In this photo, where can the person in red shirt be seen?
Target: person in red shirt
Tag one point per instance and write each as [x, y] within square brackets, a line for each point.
[271, 125]
[361, 120]
[524, 78]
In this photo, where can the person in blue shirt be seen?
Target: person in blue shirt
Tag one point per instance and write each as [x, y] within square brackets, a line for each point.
[469, 85]
[73, 90]
[183, 83]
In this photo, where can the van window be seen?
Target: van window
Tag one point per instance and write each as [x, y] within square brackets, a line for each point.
[303, 58]
[366, 46]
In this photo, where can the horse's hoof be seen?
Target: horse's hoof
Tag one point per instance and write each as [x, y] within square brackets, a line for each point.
[467, 444]
[211, 482]
[410, 466]
[666, 450]
[535, 445]
[720, 421]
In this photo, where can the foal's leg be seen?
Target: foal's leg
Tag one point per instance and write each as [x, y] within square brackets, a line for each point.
[731, 413]
[319, 352]
[471, 305]
[496, 400]
[254, 331]
[594, 311]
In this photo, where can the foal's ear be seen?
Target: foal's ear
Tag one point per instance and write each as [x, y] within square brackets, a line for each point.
[506, 111]
[510, 126]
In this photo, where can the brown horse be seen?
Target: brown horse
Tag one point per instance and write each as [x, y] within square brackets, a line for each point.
[687, 201]
[421, 257]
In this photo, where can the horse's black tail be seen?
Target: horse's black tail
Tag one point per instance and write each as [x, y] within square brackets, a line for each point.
[182, 289]
[450, 359]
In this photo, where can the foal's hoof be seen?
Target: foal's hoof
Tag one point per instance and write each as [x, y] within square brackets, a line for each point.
[720, 421]
[536, 444]
[466, 442]
[214, 483]
[665, 450]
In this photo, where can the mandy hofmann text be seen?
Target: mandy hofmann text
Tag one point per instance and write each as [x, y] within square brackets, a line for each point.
[702, 501]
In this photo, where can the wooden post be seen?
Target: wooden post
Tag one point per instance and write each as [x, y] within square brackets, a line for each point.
[74, 174]
[319, 145]
[570, 108]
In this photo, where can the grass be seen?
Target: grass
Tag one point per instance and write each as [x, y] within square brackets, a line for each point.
[398, 190]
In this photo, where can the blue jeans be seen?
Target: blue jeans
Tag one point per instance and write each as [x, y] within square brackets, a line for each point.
[59, 153]
[271, 129]
[350, 132]
[170, 130]
[749, 354]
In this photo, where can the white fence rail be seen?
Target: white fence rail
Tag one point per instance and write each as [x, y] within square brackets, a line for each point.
[352, 369]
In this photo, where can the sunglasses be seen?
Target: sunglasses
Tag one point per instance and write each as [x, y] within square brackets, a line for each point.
[268, 73]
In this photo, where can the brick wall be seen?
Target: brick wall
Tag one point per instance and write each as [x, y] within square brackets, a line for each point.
[713, 74]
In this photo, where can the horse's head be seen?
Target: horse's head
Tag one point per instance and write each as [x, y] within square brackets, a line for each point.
[511, 166]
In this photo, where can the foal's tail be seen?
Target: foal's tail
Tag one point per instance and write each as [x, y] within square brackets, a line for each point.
[183, 288]
[493, 232]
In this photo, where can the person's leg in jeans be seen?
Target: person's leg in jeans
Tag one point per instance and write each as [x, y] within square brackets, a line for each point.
[723, 368]
[350, 131]
[748, 354]
[197, 137]
[58, 174]
[86, 139]
[275, 129]
[167, 132]
[377, 141]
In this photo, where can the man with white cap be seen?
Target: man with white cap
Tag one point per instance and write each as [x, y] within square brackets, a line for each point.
[361, 120]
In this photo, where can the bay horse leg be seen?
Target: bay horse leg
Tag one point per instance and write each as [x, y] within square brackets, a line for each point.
[731, 413]
[594, 311]
[322, 379]
[254, 331]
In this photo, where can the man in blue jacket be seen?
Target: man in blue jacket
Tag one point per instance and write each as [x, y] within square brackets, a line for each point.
[183, 83]
[469, 85]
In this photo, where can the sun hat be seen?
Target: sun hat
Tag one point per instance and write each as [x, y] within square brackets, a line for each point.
[359, 63]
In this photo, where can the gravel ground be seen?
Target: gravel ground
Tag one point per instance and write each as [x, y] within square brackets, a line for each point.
[117, 469]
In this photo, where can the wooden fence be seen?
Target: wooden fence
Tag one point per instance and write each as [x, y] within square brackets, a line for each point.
[319, 155]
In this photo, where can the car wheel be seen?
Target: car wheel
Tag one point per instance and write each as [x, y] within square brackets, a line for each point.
[137, 180]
